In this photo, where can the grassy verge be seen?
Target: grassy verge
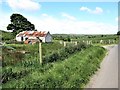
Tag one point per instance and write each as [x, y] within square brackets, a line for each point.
[13, 53]
[73, 72]
[11, 71]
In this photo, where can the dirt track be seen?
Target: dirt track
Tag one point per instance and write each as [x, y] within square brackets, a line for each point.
[107, 75]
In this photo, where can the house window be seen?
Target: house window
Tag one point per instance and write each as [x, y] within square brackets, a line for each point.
[29, 42]
[26, 38]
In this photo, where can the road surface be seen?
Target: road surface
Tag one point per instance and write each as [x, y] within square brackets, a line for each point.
[107, 75]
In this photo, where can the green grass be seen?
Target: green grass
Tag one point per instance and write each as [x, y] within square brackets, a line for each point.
[46, 47]
[12, 52]
[94, 38]
[6, 35]
[13, 60]
[73, 72]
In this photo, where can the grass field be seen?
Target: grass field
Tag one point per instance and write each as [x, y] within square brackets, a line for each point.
[63, 67]
[74, 71]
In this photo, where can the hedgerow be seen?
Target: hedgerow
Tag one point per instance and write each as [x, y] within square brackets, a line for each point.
[56, 56]
[64, 53]
[10, 56]
[73, 72]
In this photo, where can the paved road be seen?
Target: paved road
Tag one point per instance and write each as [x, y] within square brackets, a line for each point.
[107, 76]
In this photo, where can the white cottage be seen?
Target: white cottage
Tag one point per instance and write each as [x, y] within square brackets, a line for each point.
[31, 36]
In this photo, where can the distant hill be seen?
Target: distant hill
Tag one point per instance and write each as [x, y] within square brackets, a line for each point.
[6, 35]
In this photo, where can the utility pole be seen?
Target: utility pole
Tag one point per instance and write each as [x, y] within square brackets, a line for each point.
[40, 50]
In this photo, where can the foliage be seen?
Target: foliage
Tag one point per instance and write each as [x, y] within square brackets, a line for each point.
[12, 52]
[13, 42]
[64, 53]
[19, 23]
[8, 74]
[94, 38]
[10, 56]
[118, 33]
[6, 35]
[73, 72]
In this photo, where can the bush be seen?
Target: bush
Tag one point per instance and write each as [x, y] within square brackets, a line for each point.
[63, 53]
[8, 74]
[6, 35]
[74, 72]
[13, 42]
[10, 56]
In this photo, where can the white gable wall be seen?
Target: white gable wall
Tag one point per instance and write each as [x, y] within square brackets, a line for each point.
[48, 38]
[18, 39]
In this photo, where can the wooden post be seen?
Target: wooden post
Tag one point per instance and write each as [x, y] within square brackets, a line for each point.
[109, 41]
[76, 43]
[64, 44]
[40, 52]
[87, 42]
[90, 42]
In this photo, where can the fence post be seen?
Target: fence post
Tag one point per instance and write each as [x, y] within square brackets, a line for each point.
[64, 44]
[60, 42]
[40, 52]
[109, 42]
[91, 42]
[76, 43]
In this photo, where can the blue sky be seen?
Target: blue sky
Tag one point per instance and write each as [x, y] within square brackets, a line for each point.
[64, 17]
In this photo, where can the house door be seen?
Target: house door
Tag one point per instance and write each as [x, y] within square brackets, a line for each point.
[21, 38]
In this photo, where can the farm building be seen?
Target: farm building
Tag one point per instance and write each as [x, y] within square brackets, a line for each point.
[31, 36]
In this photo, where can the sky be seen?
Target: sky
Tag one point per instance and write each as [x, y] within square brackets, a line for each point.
[70, 17]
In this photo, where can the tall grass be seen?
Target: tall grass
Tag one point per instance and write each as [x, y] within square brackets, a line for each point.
[73, 72]
[31, 62]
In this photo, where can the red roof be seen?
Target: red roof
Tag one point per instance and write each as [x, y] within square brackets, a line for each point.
[32, 33]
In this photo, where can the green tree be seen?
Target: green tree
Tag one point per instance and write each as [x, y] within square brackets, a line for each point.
[6, 35]
[102, 35]
[118, 33]
[19, 23]
[68, 39]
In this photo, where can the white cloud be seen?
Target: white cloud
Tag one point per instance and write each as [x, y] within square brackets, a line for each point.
[5, 22]
[97, 10]
[68, 16]
[85, 9]
[44, 15]
[29, 5]
[68, 26]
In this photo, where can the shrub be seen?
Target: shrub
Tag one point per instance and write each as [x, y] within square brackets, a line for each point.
[8, 74]
[63, 53]
[10, 56]
[74, 72]
[13, 42]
